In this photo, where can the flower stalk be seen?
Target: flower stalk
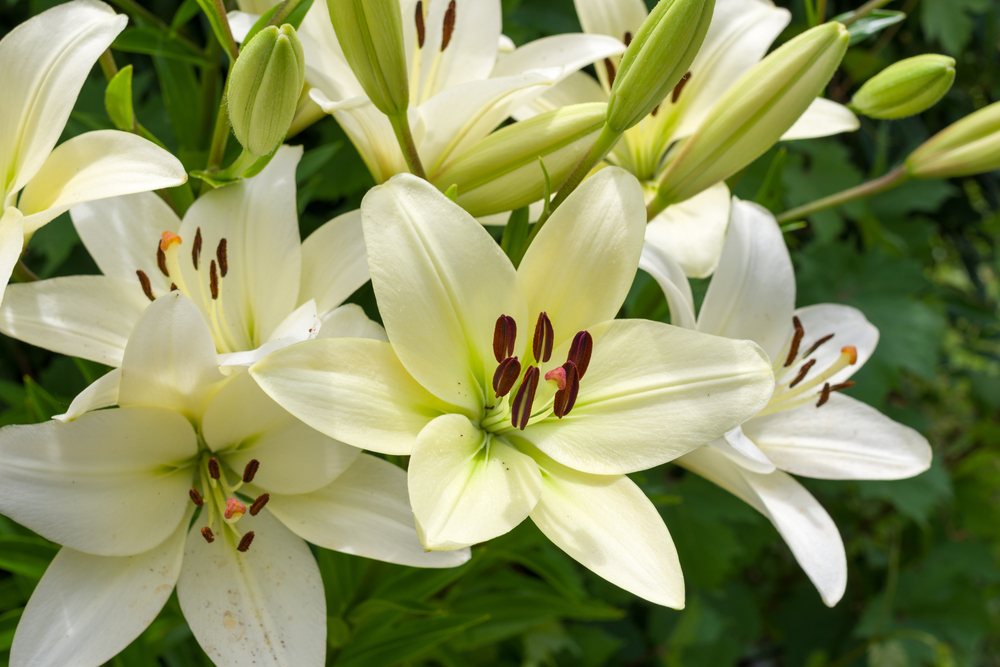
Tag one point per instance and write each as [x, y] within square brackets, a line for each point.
[896, 177]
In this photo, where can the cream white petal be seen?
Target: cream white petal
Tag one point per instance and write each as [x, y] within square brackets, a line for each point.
[741, 450]
[81, 316]
[352, 389]
[123, 233]
[441, 283]
[693, 232]
[803, 523]
[264, 607]
[243, 423]
[302, 324]
[848, 325]
[568, 53]
[579, 282]
[365, 512]
[96, 165]
[370, 132]
[669, 275]
[652, 393]
[11, 243]
[822, 118]
[470, 52]
[334, 262]
[170, 359]
[45, 61]
[111, 483]
[843, 439]
[611, 17]
[350, 321]
[467, 486]
[577, 88]
[87, 609]
[102, 393]
[607, 524]
[752, 294]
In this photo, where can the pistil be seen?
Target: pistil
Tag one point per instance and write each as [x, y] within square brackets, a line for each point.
[222, 499]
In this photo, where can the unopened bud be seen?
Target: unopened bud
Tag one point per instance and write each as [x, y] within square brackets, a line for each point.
[659, 55]
[264, 88]
[970, 146]
[501, 172]
[754, 113]
[371, 34]
[905, 88]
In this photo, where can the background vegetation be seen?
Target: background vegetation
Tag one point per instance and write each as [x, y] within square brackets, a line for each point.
[920, 261]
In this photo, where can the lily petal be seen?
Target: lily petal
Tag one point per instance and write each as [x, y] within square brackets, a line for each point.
[263, 607]
[822, 119]
[567, 52]
[693, 232]
[471, 50]
[803, 523]
[87, 609]
[302, 324]
[466, 486]
[669, 275]
[741, 450]
[350, 321]
[334, 262]
[11, 243]
[848, 325]
[845, 439]
[365, 512]
[109, 483]
[370, 132]
[611, 17]
[102, 393]
[577, 88]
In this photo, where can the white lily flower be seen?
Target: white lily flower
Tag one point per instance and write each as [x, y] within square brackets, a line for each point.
[473, 384]
[269, 289]
[741, 31]
[117, 489]
[45, 61]
[808, 428]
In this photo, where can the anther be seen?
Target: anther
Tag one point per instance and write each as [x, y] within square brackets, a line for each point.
[420, 24]
[147, 289]
[506, 375]
[234, 509]
[196, 250]
[449, 25]
[258, 504]
[824, 395]
[504, 335]
[610, 68]
[565, 398]
[213, 468]
[655, 110]
[628, 38]
[802, 373]
[250, 471]
[173, 287]
[220, 252]
[793, 351]
[245, 542]
[196, 497]
[679, 87]
[816, 345]
[207, 533]
[213, 280]
[580, 351]
[521, 408]
[161, 260]
[542, 344]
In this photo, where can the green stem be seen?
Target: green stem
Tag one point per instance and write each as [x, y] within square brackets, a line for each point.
[108, 66]
[142, 15]
[22, 273]
[287, 7]
[864, 10]
[820, 11]
[220, 136]
[401, 126]
[895, 177]
[232, 49]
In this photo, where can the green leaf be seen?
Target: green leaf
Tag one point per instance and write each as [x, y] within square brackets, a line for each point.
[155, 42]
[41, 404]
[385, 646]
[294, 19]
[948, 22]
[26, 555]
[187, 11]
[874, 23]
[118, 100]
[8, 624]
[220, 26]
[515, 233]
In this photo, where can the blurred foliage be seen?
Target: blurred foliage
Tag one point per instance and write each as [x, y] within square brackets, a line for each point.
[920, 261]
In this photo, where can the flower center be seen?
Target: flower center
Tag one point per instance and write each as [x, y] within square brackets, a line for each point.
[224, 507]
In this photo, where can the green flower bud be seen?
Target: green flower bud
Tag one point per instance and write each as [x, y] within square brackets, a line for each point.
[502, 173]
[264, 88]
[657, 58]
[905, 88]
[753, 114]
[371, 34]
[970, 146]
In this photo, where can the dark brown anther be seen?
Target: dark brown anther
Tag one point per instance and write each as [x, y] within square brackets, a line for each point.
[506, 375]
[793, 351]
[521, 408]
[420, 24]
[220, 252]
[628, 38]
[824, 395]
[449, 25]
[655, 110]
[580, 351]
[196, 498]
[196, 249]
[250, 471]
[213, 468]
[213, 280]
[802, 373]
[245, 542]
[147, 289]
[207, 533]
[504, 335]
[816, 345]
[566, 398]
[258, 504]
[173, 287]
[544, 336]
[609, 67]
[679, 87]
[161, 261]
[842, 386]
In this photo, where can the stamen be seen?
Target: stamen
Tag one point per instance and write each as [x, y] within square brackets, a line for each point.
[655, 110]
[506, 375]
[824, 395]
[542, 344]
[196, 497]
[521, 409]
[213, 280]
[679, 87]
[610, 68]
[628, 38]
[173, 287]
[557, 375]
[234, 509]
[147, 289]
[196, 250]
[420, 24]
[207, 533]
[220, 252]
[580, 351]
[449, 25]
[802, 373]
[161, 261]
[213, 468]
[504, 335]
[816, 345]
[566, 398]
[793, 351]
[258, 504]
[245, 542]
[250, 471]
[848, 357]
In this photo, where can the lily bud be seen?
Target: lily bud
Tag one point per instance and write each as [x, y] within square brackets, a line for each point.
[657, 58]
[264, 88]
[905, 88]
[970, 146]
[753, 114]
[371, 34]
[501, 172]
